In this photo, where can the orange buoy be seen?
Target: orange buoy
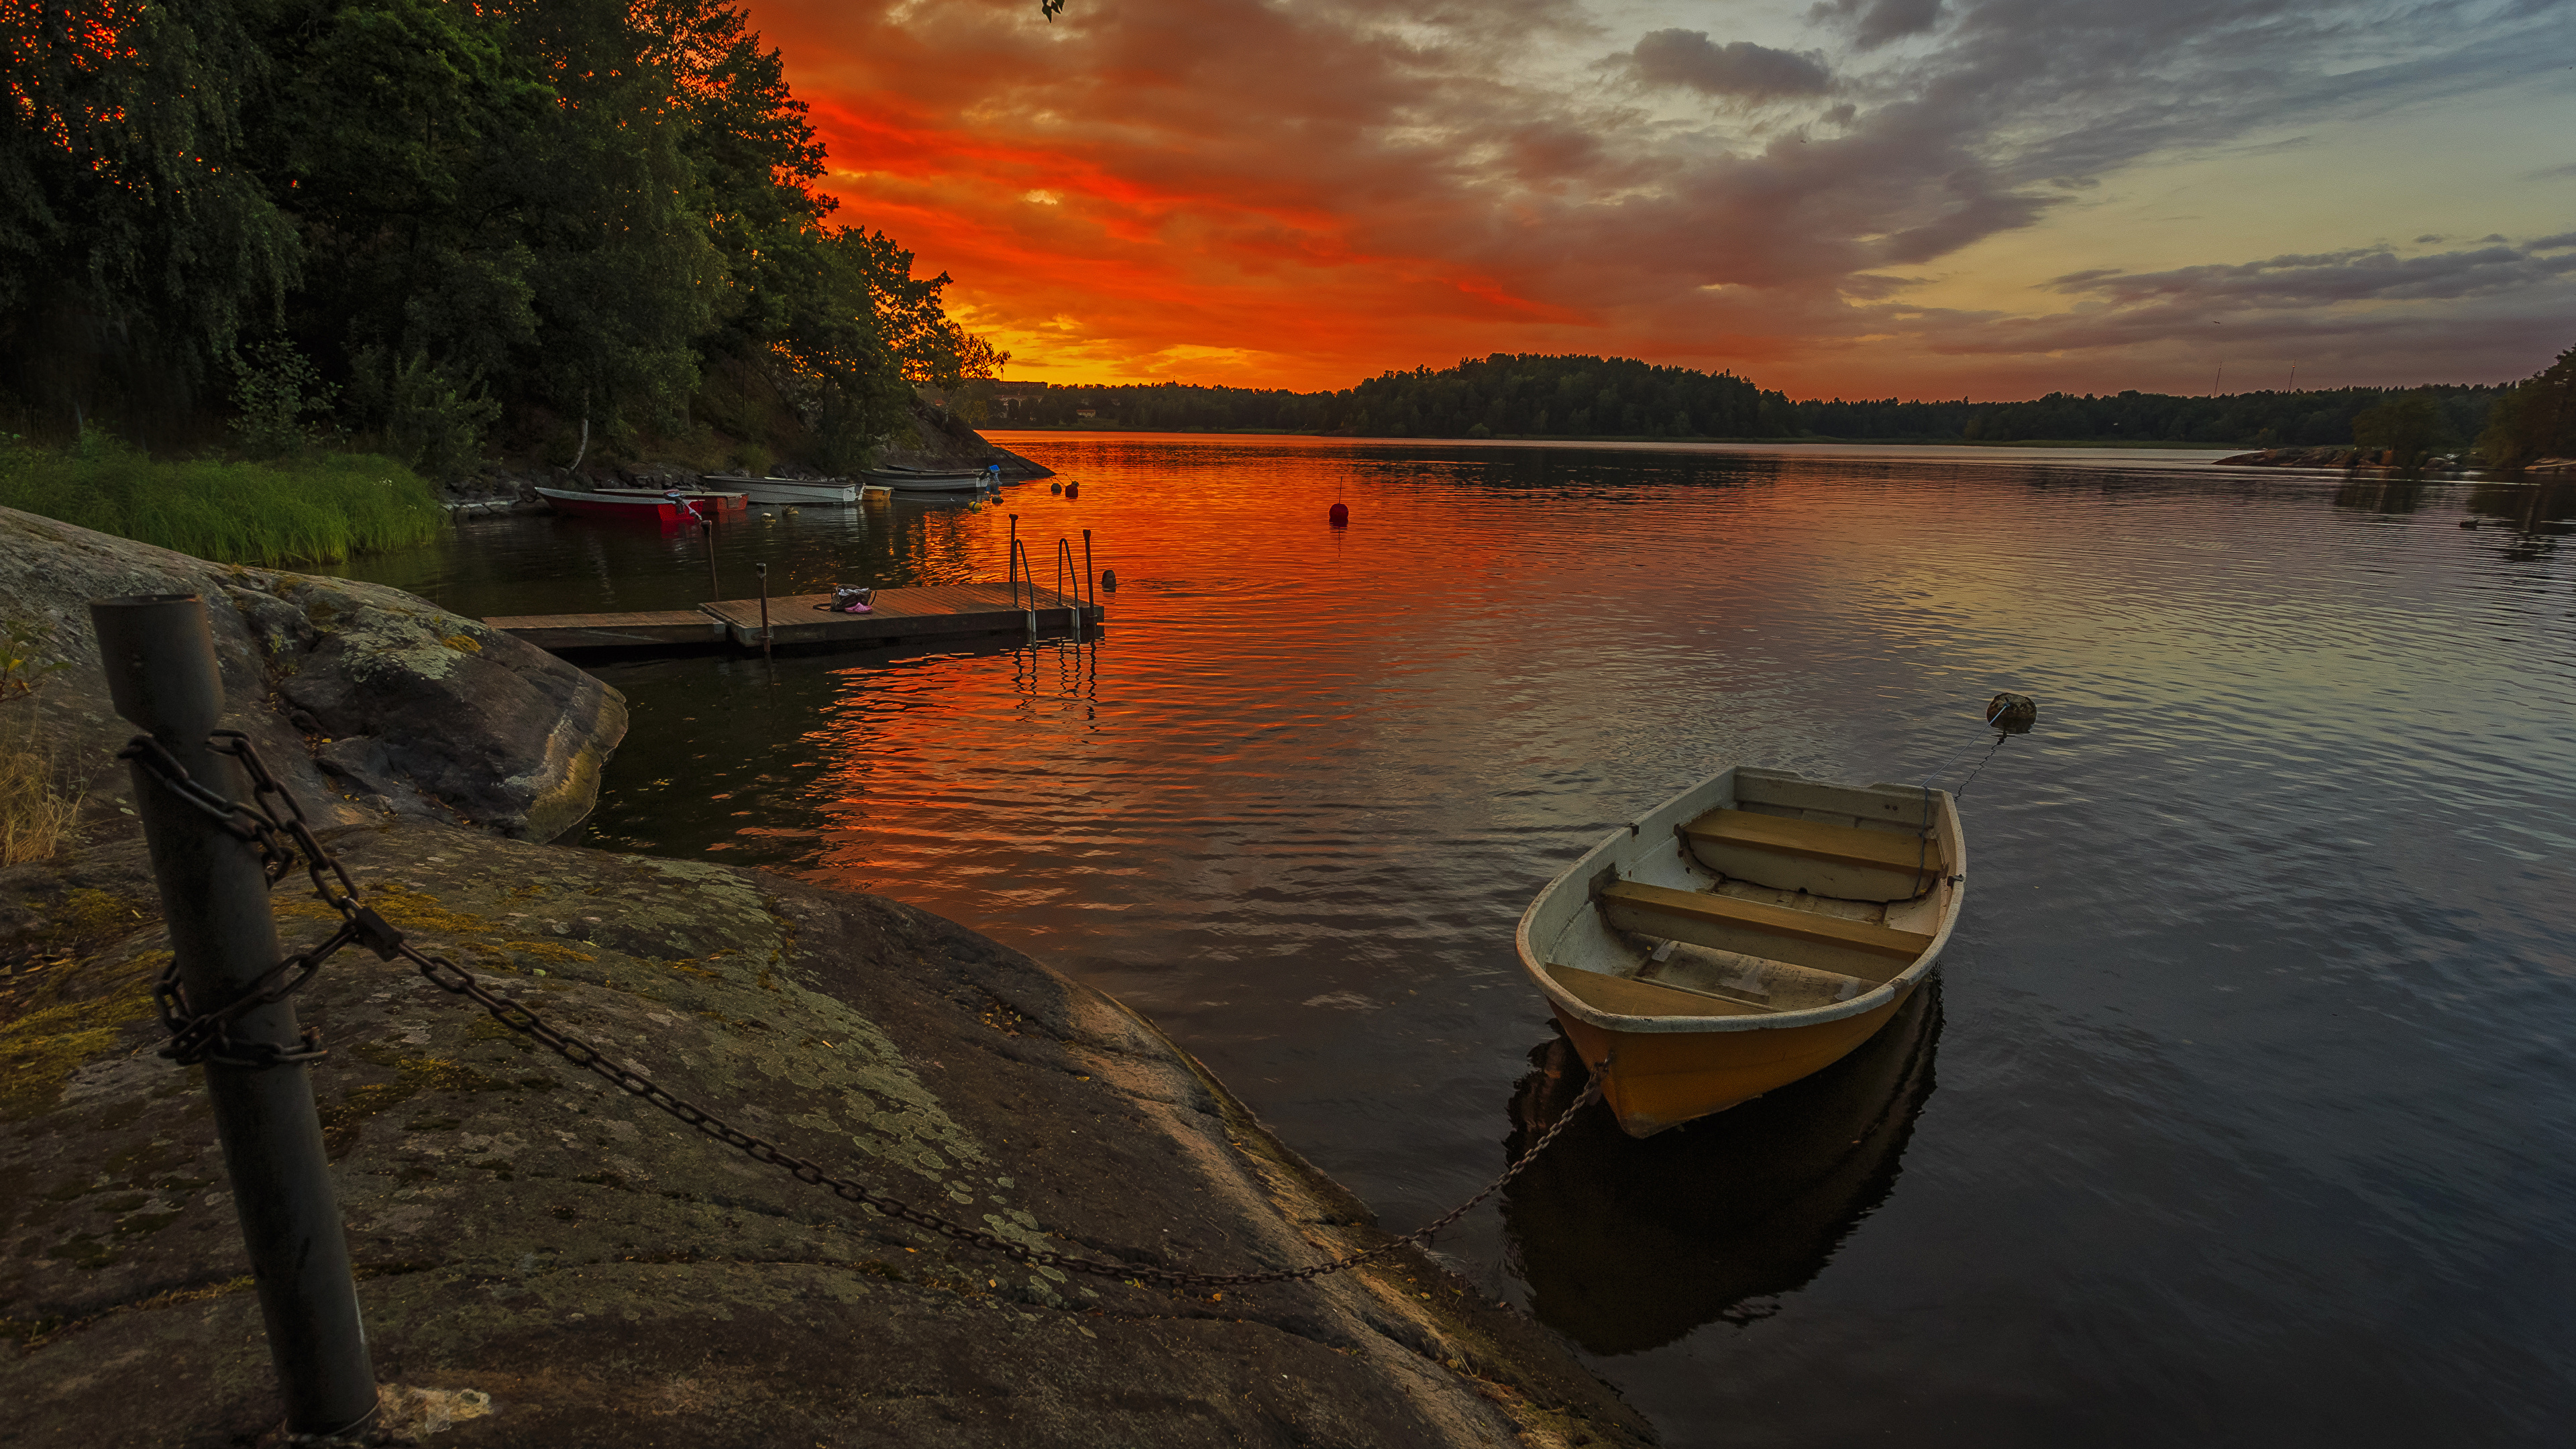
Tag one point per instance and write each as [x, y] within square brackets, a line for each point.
[1073, 490]
[1340, 515]
[1109, 580]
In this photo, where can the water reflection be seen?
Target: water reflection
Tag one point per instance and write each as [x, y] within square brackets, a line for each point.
[1627, 1245]
[2540, 512]
[2381, 495]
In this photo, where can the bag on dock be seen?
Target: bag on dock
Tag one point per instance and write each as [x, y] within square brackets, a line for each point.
[848, 600]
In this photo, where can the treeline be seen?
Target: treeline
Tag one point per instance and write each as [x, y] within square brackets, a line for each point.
[2247, 419]
[1550, 396]
[1504, 395]
[584, 225]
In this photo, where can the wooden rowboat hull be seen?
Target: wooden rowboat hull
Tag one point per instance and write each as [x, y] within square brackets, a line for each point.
[1656, 1080]
[1752, 930]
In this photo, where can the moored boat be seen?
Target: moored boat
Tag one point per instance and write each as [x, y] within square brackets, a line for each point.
[708, 501]
[788, 490]
[921, 480]
[635, 504]
[1749, 931]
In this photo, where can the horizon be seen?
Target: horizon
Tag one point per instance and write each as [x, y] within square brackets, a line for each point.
[1921, 199]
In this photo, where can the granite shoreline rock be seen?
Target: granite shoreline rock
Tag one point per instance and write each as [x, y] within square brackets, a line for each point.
[366, 702]
[524, 1232]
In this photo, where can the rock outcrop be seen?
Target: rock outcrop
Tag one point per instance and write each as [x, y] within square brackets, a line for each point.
[571, 1267]
[946, 442]
[366, 701]
[2346, 457]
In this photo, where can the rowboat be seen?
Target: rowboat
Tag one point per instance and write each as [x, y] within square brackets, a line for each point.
[1747, 932]
[633, 504]
[708, 501]
[918, 480]
[788, 490]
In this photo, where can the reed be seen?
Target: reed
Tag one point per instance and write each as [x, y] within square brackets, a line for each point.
[298, 511]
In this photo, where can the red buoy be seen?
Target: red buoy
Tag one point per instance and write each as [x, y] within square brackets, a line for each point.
[1340, 515]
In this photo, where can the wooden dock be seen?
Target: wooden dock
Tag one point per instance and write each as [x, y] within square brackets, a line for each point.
[798, 622]
[668, 631]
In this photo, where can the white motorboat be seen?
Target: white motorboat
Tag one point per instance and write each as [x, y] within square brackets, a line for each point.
[788, 490]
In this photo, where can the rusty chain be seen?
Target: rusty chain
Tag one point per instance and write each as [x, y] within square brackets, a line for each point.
[274, 825]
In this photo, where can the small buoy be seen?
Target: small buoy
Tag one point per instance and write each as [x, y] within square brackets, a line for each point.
[1109, 580]
[1055, 488]
[1073, 490]
[2013, 714]
[1340, 514]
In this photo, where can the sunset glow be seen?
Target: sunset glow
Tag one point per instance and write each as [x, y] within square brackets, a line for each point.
[1993, 198]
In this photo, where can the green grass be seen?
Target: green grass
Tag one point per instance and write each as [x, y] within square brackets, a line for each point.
[300, 511]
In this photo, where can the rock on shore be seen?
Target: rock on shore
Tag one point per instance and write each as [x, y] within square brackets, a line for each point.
[366, 701]
[526, 1233]
[2345, 457]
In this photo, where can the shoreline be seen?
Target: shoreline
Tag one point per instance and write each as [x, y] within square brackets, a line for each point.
[563, 1257]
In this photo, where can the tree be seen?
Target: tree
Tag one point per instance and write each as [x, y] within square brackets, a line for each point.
[133, 252]
[2534, 419]
[2406, 426]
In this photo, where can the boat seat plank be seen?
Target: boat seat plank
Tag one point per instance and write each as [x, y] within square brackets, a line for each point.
[1623, 997]
[1781, 921]
[1816, 840]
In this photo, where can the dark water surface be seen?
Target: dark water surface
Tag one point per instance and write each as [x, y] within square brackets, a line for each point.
[2244, 1112]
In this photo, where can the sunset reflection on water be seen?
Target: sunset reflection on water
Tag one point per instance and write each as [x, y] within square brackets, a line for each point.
[2252, 1092]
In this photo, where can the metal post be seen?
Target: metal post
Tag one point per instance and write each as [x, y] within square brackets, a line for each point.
[1064, 574]
[707, 531]
[1091, 579]
[1015, 561]
[763, 571]
[159, 655]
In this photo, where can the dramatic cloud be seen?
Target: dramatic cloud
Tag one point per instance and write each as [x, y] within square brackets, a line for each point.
[1874, 23]
[1738, 69]
[1306, 194]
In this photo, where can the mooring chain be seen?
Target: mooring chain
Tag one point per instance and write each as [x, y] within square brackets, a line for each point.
[277, 829]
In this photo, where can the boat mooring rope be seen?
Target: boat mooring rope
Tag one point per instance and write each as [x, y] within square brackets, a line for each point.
[2007, 715]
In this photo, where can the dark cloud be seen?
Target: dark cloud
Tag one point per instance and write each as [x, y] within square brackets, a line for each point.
[1874, 23]
[1738, 70]
[1358, 184]
[2330, 278]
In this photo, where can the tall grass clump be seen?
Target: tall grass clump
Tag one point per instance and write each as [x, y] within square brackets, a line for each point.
[317, 509]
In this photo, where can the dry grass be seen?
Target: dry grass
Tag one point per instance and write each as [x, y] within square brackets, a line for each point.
[38, 807]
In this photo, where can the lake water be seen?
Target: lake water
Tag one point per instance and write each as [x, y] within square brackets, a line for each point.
[2245, 1109]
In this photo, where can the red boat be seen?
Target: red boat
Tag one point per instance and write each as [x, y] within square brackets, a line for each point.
[633, 503]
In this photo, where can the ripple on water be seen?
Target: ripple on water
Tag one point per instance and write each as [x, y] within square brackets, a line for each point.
[2245, 1112]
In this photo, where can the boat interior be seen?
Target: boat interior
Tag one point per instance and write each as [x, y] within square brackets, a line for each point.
[1772, 894]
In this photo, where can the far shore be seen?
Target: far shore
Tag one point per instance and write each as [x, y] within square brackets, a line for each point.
[1810, 440]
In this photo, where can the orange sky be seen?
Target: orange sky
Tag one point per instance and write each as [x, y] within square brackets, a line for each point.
[1990, 198]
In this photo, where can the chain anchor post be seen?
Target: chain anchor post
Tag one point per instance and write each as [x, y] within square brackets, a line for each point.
[159, 655]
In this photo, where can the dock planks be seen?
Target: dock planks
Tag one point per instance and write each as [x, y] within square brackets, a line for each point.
[663, 630]
[897, 616]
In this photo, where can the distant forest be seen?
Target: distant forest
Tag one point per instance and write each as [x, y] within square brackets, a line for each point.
[571, 227]
[1529, 395]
